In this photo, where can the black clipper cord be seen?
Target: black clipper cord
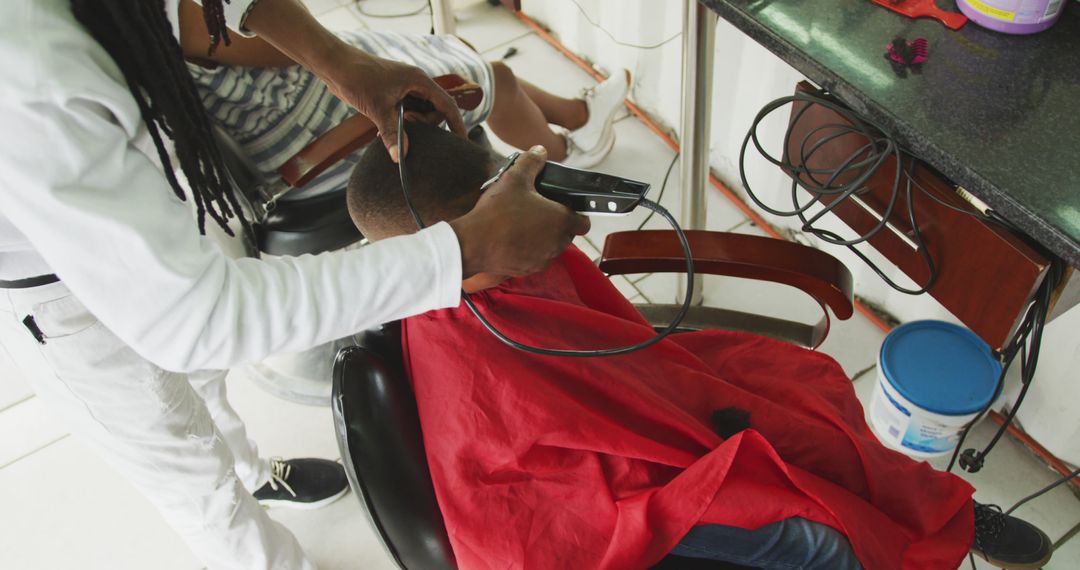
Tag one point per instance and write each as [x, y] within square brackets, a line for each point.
[554, 351]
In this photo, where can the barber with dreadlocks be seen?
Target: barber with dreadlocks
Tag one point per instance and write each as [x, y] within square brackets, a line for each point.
[115, 306]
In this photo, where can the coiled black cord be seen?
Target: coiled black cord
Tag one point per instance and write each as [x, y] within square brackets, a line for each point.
[858, 168]
[826, 183]
[657, 208]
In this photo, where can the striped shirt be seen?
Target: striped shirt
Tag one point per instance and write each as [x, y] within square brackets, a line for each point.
[273, 113]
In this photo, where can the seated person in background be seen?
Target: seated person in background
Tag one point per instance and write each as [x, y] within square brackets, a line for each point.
[273, 108]
[544, 462]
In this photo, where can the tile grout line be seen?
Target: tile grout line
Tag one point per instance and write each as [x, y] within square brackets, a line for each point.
[860, 373]
[13, 404]
[1068, 536]
[33, 451]
[739, 225]
[354, 11]
[631, 283]
[337, 6]
[589, 241]
[504, 43]
[634, 284]
[636, 288]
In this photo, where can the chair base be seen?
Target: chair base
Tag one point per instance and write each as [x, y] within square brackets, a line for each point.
[301, 377]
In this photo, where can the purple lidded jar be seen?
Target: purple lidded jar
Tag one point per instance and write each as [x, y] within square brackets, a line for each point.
[1013, 16]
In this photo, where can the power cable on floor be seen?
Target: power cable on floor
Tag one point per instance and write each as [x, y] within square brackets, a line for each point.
[425, 6]
[620, 42]
[1025, 343]
[1043, 491]
[663, 186]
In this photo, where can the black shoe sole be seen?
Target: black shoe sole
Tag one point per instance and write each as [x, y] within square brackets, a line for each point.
[1013, 565]
[302, 506]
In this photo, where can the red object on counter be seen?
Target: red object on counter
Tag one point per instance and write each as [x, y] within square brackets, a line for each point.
[924, 9]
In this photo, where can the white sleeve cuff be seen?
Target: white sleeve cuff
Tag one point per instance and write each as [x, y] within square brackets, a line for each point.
[447, 252]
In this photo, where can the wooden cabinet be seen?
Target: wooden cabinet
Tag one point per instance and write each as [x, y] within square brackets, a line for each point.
[986, 275]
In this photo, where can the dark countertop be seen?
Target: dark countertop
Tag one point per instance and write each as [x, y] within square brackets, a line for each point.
[997, 114]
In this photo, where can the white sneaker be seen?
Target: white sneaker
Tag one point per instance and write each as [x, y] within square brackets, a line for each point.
[602, 101]
[576, 157]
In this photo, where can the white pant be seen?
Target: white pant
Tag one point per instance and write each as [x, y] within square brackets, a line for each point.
[173, 436]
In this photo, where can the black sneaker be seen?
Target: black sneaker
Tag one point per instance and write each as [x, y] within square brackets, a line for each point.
[1008, 542]
[303, 484]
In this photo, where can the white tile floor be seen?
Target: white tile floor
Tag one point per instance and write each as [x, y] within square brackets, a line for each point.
[62, 507]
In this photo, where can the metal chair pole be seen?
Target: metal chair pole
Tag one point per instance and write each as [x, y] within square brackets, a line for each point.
[699, 39]
[442, 17]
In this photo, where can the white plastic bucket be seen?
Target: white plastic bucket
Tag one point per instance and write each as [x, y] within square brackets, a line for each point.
[933, 379]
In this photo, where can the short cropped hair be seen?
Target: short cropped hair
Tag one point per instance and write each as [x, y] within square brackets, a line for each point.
[445, 174]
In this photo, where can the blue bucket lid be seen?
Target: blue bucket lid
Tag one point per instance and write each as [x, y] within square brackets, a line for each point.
[940, 367]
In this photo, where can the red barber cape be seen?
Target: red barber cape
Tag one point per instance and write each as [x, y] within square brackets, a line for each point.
[556, 463]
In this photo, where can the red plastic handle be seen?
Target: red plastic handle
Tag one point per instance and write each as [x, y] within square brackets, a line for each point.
[924, 9]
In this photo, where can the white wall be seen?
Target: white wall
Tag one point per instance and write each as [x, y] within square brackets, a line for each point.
[746, 77]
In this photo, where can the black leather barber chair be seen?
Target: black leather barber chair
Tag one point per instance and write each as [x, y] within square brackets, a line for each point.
[375, 416]
[291, 227]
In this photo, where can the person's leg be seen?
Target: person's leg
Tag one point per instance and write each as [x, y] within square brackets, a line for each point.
[522, 112]
[569, 113]
[789, 544]
[516, 112]
[307, 483]
[252, 471]
[517, 119]
[148, 424]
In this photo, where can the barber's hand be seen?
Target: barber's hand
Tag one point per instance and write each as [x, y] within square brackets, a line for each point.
[513, 230]
[375, 86]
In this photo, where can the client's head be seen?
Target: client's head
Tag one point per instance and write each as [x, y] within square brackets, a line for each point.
[445, 174]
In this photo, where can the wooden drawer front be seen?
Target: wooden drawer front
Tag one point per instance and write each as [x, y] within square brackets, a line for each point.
[986, 275]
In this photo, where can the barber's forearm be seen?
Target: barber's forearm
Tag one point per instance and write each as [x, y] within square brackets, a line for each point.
[288, 26]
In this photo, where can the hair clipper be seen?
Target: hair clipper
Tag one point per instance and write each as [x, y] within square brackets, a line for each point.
[583, 191]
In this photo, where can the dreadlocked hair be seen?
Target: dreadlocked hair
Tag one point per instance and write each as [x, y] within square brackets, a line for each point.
[138, 36]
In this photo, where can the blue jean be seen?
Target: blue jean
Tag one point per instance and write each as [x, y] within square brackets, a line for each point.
[791, 544]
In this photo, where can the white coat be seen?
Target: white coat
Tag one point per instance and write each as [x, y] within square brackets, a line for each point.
[80, 197]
